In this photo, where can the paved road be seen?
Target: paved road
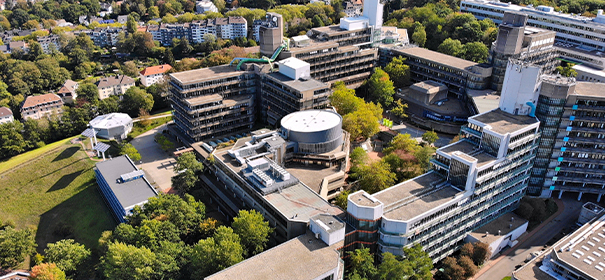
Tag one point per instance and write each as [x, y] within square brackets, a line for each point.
[416, 133]
[158, 165]
[568, 218]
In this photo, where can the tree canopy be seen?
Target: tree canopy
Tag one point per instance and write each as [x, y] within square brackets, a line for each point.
[66, 254]
[131, 151]
[253, 231]
[398, 72]
[216, 253]
[47, 271]
[15, 245]
[135, 99]
[380, 87]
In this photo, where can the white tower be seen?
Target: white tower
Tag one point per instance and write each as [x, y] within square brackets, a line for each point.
[521, 85]
[372, 9]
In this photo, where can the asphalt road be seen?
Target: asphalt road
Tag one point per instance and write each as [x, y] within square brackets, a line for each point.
[568, 218]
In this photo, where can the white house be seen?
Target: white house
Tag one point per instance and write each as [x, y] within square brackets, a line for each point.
[154, 74]
[114, 85]
[112, 126]
[205, 6]
[6, 115]
[68, 91]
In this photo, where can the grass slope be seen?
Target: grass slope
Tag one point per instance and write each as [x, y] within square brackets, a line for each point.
[53, 188]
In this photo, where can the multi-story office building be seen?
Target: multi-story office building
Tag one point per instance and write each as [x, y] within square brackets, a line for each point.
[39, 106]
[114, 85]
[123, 185]
[518, 41]
[214, 101]
[578, 38]
[457, 74]
[472, 182]
[258, 172]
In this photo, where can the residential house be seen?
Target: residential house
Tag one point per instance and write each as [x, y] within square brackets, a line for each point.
[154, 74]
[15, 45]
[68, 91]
[123, 19]
[114, 85]
[6, 115]
[353, 8]
[106, 37]
[49, 43]
[106, 9]
[38, 106]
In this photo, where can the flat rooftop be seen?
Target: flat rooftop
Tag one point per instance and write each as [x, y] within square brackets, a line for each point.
[503, 122]
[582, 254]
[299, 85]
[205, 74]
[469, 152]
[590, 89]
[128, 193]
[298, 259]
[489, 232]
[485, 100]
[300, 203]
[311, 175]
[531, 271]
[411, 198]
[437, 57]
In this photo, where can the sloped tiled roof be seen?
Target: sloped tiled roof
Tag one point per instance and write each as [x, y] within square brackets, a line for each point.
[32, 101]
[5, 112]
[68, 87]
[159, 69]
[114, 80]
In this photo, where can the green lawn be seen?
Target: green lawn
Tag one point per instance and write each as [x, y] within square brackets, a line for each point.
[53, 188]
[139, 129]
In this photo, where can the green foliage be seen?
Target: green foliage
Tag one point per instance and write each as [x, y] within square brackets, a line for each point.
[363, 123]
[66, 254]
[419, 36]
[380, 87]
[398, 72]
[451, 47]
[375, 176]
[124, 261]
[475, 51]
[188, 169]
[430, 137]
[216, 253]
[391, 268]
[164, 142]
[402, 142]
[253, 231]
[130, 69]
[47, 271]
[88, 92]
[566, 70]
[344, 99]
[15, 245]
[399, 109]
[362, 263]
[419, 263]
[11, 140]
[135, 99]
[131, 151]
[342, 199]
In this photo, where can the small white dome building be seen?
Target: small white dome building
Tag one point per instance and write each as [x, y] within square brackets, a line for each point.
[112, 126]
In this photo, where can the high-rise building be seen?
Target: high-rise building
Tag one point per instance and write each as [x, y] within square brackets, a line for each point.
[472, 182]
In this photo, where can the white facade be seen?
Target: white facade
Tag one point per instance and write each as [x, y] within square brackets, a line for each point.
[373, 9]
[116, 85]
[221, 28]
[520, 86]
[6, 115]
[354, 23]
[112, 126]
[589, 74]
[501, 241]
[152, 79]
[295, 68]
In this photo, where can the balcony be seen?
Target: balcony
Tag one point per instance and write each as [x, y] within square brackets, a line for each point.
[471, 131]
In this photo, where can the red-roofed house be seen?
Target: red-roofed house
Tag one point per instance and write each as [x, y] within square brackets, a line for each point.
[153, 74]
[6, 115]
[38, 106]
[68, 91]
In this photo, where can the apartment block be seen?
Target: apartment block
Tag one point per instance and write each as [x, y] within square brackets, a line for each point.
[472, 182]
[221, 28]
[154, 74]
[114, 85]
[67, 92]
[580, 39]
[168, 32]
[518, 41]
[38, 106]
[106, 37]
[49, 43]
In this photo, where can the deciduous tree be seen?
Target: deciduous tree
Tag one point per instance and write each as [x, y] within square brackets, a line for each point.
[380, 87]
[451, 47]
[362, 263]
[475, 51]
[66, 254]
[89, 92]
[375, 176]
[481, 252]
[47, 271]
[15, 245]
[468, 265]
[419, 35]
[430, 137]
[216, 253]
[131, 151]
[399, 109]
[398, 72]
[253, 231]
[135, 99]
[124, 261]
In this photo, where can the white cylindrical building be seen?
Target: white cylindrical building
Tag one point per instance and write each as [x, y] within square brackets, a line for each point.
[314, 131]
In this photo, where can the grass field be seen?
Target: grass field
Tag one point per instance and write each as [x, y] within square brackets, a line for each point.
[53, 188]
[139, 129]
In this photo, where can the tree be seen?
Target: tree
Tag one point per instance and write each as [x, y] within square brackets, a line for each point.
[168, 57]
[135, 99]
[47, 271]
[391, 268]
[130, 69]
[475, 51]
[88, 92]
[144, 118]
[362, 263]
[342, 199]
[467, 250]
[15, 245]
[164, 142]
[131, 24]
[419, 263]
[375, 176]
[481, 252]
[363, 123]
[469, 267]
[35, 50]
[451, 47]
[128, 262]
[11, 139]
[216, 253]
[380, 87]
[108, 105]
[403, 142]
[188, 169]
[344, 99]
[153, 12]
[399, 109]
[398, 72]
[131, 151]
[430, 137]
[184, 181]
[567, 70]
[452, 270]
[253, 231]
[419, 35]
[66, 254]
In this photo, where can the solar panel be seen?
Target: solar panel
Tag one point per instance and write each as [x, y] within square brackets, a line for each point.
[102, 147]
[89, 132]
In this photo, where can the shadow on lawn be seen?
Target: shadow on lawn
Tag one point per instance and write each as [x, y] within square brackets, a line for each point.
[67, 153]
[65, 181]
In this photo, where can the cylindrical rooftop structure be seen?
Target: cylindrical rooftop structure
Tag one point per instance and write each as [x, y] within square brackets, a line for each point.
[315, 131]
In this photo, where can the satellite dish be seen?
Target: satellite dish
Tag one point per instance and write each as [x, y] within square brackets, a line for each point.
[275, 19]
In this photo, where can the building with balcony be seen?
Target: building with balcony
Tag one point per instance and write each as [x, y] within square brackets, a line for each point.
[68, 91]
[579, 39]
[154, 74]
[518, 41]
[123, 185]
[275, 176]
[39, 106]
[114, 85]
[472, 183]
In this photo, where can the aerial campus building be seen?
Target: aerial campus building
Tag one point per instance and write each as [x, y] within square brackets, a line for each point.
[123, 185]
[472, 182]
[579, 39]
[286, 175]
[112, 126]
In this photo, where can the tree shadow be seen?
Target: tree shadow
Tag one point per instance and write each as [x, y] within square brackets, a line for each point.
[65, 181]
[67, 153]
